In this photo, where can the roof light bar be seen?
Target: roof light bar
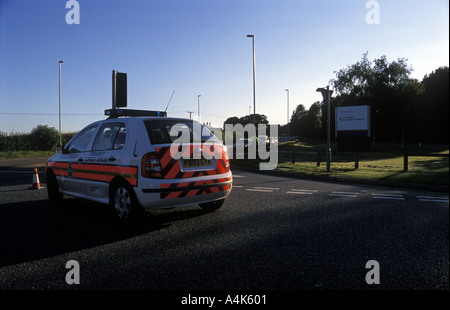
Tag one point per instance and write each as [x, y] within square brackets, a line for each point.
[114, 113]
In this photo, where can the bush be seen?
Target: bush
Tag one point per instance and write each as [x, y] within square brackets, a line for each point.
[43, 138]
[14, 142]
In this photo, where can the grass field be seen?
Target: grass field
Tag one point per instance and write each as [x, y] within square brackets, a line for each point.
[384, 164]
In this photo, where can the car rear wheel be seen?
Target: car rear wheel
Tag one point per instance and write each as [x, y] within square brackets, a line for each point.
[54, 196]
[123, 202]
[212, 206]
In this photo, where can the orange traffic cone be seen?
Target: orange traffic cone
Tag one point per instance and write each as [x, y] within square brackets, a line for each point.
[36, 184]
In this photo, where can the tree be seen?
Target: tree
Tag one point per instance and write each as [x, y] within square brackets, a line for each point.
[43, 138]
[307, 123]
[232, 121]
[314, 115]
[299, 112]
[385, 86]
[296, 123]
[366, 79]
[431, 114]
[244, 120]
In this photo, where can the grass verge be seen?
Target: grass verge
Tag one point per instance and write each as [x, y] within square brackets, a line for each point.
[385, 165]
[25, 154]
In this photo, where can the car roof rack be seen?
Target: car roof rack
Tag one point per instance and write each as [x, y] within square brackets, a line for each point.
[115, 113]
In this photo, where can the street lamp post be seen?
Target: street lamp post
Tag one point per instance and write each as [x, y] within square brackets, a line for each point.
[326, 94]
[254, 92]
[60, 139]
[287, 91]
[198, 102]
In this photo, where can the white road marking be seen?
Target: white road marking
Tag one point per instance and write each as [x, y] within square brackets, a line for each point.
[388, 196]
[391, 198]
[271, 188]
[259, 190]
[432, 199]
[300, 193]
[344, 194]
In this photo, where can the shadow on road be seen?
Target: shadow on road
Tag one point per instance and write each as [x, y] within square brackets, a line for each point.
[32, 230]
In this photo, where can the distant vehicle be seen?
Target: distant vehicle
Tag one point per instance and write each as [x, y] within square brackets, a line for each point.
[127, 162]
[263, 139]
[243, 142]
[273, 140]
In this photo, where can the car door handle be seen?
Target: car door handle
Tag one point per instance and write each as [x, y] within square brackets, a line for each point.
[112, 158]
[80, 159]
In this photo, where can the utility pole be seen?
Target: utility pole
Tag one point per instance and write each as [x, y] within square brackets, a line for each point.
[287, 91]
[60, 135]
[190, 114]
[254, 87]
[198, 102]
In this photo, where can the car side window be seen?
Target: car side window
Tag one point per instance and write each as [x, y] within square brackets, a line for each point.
[111, 136]
[81, 141]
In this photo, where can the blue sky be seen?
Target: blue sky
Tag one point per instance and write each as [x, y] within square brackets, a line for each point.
[198, 47]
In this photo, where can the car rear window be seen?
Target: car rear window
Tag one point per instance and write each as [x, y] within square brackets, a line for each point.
[168, 130]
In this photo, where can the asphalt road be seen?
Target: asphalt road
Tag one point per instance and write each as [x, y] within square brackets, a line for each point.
[272, 233]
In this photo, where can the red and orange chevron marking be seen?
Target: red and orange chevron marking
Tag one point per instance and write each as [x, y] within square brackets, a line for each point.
[172, 168]
[188, 189]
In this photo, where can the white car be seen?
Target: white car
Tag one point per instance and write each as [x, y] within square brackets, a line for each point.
[129, 163]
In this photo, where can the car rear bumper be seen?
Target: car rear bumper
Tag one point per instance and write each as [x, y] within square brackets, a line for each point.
[180, 192]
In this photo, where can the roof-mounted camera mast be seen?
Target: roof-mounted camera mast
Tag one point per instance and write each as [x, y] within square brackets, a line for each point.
[119, 100]
[119, 89]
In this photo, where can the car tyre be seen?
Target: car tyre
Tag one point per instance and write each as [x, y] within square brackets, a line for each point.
[123, 202]
[54, 196]
[212, 206]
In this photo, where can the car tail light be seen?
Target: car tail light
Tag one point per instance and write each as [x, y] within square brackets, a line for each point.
[151, 166]
[225, 157]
